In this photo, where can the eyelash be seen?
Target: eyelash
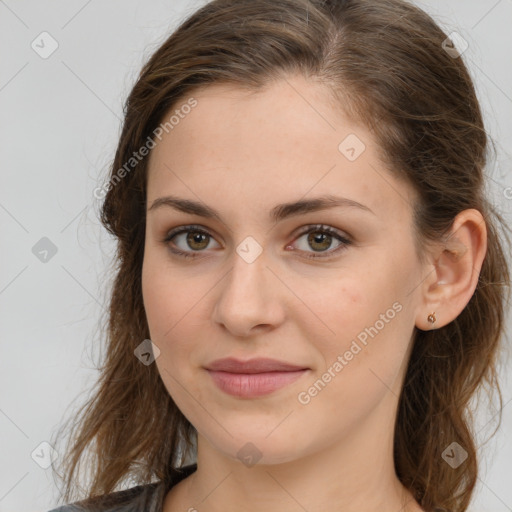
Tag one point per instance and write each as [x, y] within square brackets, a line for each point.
[321, 228]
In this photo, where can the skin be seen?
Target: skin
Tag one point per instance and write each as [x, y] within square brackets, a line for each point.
[241, 153]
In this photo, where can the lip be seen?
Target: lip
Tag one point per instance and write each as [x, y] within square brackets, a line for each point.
[253, 378]
[258, 365]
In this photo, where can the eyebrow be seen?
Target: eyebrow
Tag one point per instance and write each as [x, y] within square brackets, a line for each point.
[278, 213]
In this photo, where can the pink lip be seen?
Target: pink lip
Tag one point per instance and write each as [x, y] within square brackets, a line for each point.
[253, 378]
[259, 365]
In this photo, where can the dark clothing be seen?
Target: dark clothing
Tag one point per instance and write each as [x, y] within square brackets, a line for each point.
[142, 498]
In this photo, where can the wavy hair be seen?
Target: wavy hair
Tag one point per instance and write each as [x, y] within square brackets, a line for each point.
[385, 65]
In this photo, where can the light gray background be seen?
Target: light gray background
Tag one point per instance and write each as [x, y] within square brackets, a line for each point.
[60, 119]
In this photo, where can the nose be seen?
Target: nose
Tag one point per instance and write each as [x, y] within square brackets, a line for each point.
[249, 298]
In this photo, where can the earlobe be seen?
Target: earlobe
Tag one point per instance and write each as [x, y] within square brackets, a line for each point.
[456, 270]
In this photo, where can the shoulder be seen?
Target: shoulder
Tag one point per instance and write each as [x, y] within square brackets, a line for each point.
[139, 498]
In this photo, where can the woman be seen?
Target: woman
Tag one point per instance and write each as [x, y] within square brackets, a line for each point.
[311, 282]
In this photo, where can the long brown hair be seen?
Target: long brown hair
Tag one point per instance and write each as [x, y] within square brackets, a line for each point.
[385, 63]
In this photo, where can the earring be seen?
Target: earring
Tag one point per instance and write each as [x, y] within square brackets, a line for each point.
[432, 318]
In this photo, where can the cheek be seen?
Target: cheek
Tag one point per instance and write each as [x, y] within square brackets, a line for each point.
[368, 310]
[156, 301]
[361, 362]
[343, 305]
[169, 309]
[166, 297]
[175, 312]
[164, 304]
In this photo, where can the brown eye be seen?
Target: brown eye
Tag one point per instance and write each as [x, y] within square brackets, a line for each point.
[196, 240]
[187, 240]
[320, 239]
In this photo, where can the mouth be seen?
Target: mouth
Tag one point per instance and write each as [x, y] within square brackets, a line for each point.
[253, 378]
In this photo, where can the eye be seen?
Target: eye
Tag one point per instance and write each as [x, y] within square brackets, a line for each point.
[320, 239]
[193, 237]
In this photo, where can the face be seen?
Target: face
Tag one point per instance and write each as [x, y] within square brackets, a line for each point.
[328, 287]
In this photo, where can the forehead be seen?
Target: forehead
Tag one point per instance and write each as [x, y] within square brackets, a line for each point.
[276, 144]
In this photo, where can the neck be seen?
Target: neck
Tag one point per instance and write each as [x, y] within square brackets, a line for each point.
[352, 474]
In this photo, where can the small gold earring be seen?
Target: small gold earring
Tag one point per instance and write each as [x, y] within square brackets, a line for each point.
[432, 317]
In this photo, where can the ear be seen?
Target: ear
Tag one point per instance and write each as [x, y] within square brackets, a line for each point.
[453, 271]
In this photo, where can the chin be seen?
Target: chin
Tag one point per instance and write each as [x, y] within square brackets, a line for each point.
[254, 446]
